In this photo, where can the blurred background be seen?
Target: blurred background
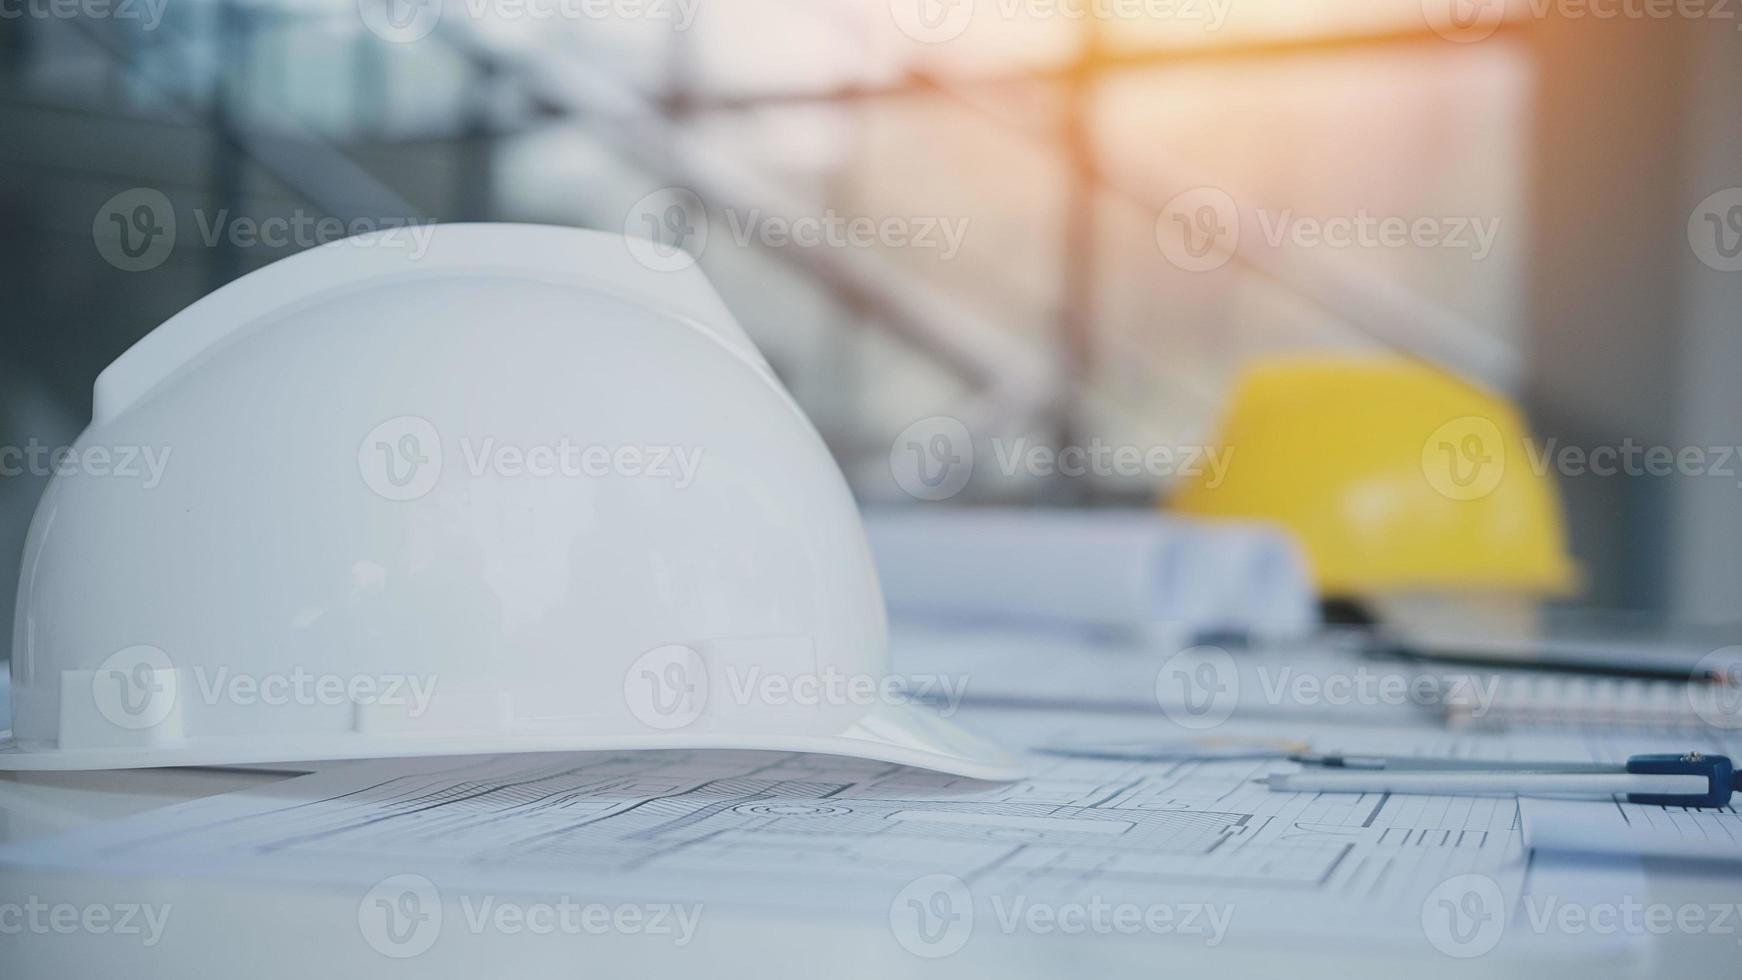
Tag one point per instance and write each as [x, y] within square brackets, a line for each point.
[1059, 223]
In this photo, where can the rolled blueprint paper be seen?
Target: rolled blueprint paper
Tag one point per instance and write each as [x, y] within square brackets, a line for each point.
[1100, 569]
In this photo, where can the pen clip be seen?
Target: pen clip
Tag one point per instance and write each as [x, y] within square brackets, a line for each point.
[1721, 779]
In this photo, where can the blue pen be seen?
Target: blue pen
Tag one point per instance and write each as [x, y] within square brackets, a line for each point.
[1690, 779]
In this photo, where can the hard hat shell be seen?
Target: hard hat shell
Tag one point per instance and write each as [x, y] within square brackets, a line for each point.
[1394, 475]
[504, 488]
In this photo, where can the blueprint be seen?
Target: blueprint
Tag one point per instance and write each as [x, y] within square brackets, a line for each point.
[818, 833]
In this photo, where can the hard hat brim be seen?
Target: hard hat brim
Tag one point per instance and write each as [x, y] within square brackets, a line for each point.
[904, 734]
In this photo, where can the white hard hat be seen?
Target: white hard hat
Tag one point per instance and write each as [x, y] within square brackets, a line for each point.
[481, 488]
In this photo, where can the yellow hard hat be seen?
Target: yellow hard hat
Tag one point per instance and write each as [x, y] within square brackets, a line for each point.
[1395, 476]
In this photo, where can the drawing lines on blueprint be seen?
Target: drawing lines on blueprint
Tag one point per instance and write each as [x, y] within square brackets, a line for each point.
[1076, 826]
[819, 832]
